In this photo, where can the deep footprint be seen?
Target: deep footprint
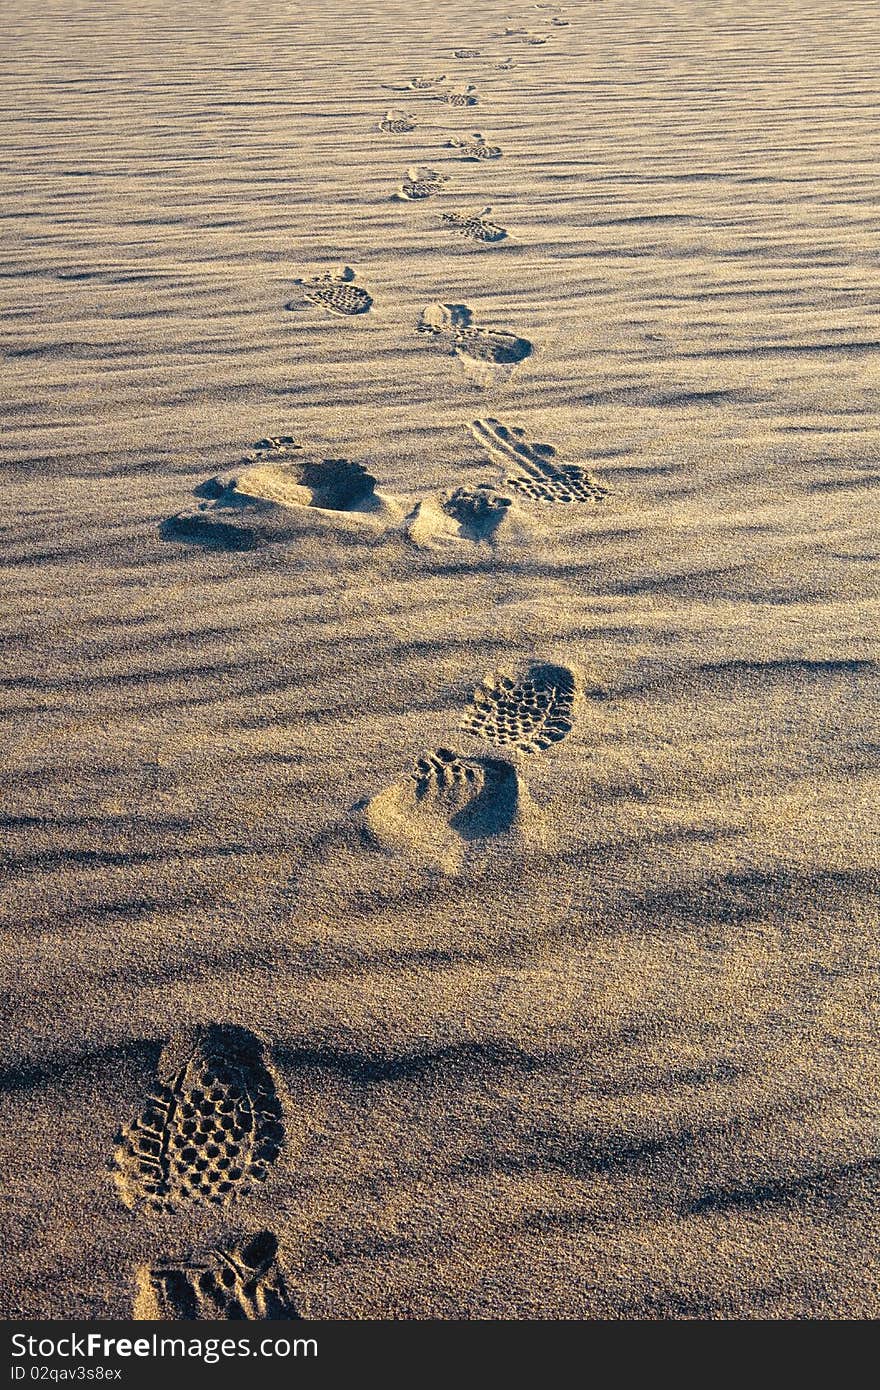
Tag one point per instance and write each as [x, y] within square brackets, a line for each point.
[478, 797]
[465, 514]
[211, 1129]
[479, 511]
[453, 324]
[474, 226]
[243, 1281]
[335, 292]
[250, 506]
[529, 712]
[474, 798]
[531, 467]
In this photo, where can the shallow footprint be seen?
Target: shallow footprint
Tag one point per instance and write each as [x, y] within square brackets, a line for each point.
[527, 36]
[414, 84]
[420, 182]
[335, 292]
[474, 147]
[396, 122]
[464, 96]
[242, 1281]
[466, 513]
[211, 1128]
[528, 712]
[532, 468]
[474, 226]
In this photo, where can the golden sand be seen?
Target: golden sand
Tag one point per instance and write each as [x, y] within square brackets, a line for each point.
[440, 652]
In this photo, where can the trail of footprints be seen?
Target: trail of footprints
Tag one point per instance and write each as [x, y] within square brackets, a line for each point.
[335, 291]
[257, 502]
[212, 1128]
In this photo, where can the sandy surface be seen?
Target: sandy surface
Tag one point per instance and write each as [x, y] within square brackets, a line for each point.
[582, 1028]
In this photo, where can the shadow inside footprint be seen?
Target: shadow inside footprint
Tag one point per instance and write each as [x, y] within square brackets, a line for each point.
[466, 514]
[495, 803]
[255, 503]
[527, 712]
[237, 1282]
[479, 511]
[453, 324]
[211, 1128]
[451, 804]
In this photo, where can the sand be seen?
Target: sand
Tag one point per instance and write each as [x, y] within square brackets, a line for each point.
[441, 717]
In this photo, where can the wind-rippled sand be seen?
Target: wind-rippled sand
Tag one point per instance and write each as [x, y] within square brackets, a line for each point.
[482, 882]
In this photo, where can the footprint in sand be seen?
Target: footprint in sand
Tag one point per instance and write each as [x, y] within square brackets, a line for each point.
[396, 122]
[531, 468]
[241, 1281]
[474, 147]
[450, 804]
[528, 712]
[485, 352]
[335, 292]
[474, 226]
[211, 1128]
[464, 514]
[420, 182]
[464, 96]
[257, 502]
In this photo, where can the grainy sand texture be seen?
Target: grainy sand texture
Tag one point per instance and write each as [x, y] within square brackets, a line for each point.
[440, 565]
